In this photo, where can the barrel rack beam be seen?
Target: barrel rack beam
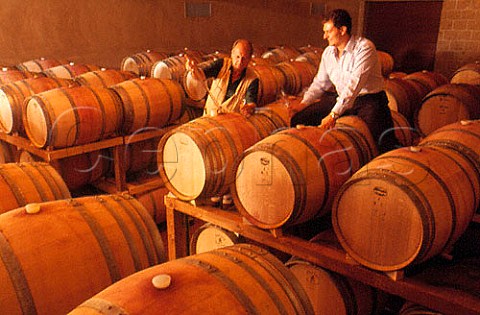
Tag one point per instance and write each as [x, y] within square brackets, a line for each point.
[118, 144]
[444, 299]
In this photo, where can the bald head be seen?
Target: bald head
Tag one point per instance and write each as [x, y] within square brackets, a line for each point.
[245, 44]
[241, 54]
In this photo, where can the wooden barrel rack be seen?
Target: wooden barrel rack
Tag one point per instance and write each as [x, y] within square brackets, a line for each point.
[447, 300]
[109, 185]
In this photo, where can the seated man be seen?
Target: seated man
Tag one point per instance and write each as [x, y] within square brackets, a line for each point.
[350, 66]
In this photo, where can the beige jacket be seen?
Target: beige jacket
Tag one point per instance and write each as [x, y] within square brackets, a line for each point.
[219, 89]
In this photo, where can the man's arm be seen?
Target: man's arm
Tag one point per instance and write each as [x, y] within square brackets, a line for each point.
[251, 98]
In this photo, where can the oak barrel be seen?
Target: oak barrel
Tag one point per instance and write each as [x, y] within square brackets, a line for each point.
[403, 97]
[240, 279]
[149, 103]
[141, 63]
[195, 160]
[429, 79]
[281, 53]
[259, 61]
[272, 117]
[69, 250]
[462, 136]
[404, 132]
[312, 58]
[310, 48]
[67, 117]
[13, 95]
[40, 64]
[468, 74]
[8, 152]
[153, 201]
[69, 70]
[447, 104]
[172, 68]
[298, 75]
[23, 183]
[210, 237]
[190, 113]
[386, 61]
[195, 89]
[292, 176]
[104, 78]
[77, 171]
[271, 83]
[405, 206]
[141, 156]
[331, 293]
[12, 75]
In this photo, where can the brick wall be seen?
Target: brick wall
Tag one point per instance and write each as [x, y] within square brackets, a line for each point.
[459, 35]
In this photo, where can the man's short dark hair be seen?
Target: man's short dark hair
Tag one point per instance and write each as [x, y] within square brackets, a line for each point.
[246, 42]
[339, 18]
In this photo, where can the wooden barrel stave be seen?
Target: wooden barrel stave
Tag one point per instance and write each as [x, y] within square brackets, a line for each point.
[149, 103]
[141, 63]
[66, 117]
[447, 104]
[210, 237]
[195, 160]
[407, 206]
[332, 293]
[40, 64]
[117, 238]
[245, 278]
[308, 165]
[13, 95]
[271, 83]
[69, 70]
[24, 183]
[104, 78]
[468, 74]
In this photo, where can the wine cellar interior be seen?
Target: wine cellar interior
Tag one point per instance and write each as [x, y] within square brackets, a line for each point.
[110, 165]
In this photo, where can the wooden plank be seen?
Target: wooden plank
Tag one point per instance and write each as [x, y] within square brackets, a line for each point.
[133, 188]
[119, 168]
[139, 188]
[446, 300]
[176, 231]
[107, 185]
[55, 154]
[145, 135]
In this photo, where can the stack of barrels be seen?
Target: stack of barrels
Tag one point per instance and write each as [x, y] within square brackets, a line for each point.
[388, 212]
[427, 100]
[211, 156]
[277, 69]
[55, 251]
[411, 204]
[69, 105]
[56, 254]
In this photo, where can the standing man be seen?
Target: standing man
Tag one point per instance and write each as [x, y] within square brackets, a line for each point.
[234, 89]
[350, 66]
[235, 86]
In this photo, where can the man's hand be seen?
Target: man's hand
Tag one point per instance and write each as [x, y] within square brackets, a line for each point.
[247, 109]
[328, 122]
[294, 106]
[191, 67]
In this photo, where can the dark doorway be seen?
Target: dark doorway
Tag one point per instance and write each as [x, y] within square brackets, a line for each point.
[407, 30]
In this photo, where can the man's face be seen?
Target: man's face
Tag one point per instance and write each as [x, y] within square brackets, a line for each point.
[240, 57]
[331, 33]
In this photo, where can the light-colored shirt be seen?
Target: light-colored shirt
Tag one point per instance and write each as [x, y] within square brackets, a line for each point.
[356, 72]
